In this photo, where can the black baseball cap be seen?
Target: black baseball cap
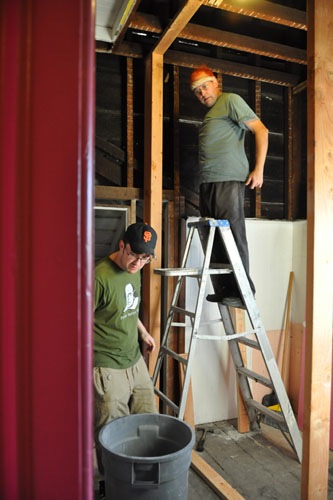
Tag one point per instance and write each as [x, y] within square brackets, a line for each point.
[141, 237]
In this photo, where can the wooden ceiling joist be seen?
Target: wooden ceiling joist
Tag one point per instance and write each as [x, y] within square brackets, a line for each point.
[261, 9]
[231, 68]
[146, 22]
[129, 49]
[219, 38]
[234, 41]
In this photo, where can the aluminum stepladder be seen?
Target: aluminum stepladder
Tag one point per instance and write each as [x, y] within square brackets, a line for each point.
[207, 229]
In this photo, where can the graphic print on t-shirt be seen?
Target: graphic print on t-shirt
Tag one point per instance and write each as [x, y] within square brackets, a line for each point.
[131, 297]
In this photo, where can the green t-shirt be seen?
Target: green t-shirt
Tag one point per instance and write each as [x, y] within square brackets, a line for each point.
[221, 140]
[116, 310]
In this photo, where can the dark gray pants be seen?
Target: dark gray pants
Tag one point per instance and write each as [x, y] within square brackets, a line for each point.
[225, 200]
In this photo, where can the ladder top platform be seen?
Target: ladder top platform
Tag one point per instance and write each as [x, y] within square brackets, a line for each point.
[207, 221]
[178, 271]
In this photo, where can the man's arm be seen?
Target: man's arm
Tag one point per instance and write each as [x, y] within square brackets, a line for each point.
[145, 336]
[256, 177]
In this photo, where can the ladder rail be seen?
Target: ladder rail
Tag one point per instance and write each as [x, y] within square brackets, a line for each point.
[238, 362]
[167, 401]
[173, 308]
[262, 339]
[196, 324]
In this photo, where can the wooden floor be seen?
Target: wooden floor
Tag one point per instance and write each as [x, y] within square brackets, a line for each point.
[258, 465]
[255, 465]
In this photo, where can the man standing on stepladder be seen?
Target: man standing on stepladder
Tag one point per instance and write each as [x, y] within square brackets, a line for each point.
[224, 169]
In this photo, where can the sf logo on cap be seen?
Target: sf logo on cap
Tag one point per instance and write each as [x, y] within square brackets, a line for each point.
[146, 236]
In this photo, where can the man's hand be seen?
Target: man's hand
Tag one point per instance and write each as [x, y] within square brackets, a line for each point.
[149, 341]
[255, 179]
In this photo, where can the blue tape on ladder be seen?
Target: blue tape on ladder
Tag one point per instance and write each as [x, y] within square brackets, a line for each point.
[210, 222]
[222, 223]
[217, 222]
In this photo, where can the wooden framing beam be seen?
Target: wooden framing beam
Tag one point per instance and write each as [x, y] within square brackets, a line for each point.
[295, 197]
[176, 132]
[125, 193]
[213, 479]
[177, 24]
[243, 422]
[257, 109]
[318, 347]
[290, 168]
[153, 177]
[261, 9]
[153, 168]
[219, 65]
[231, 68]
[130, 123]
[118, 193]
[244, 43]
[219, 38]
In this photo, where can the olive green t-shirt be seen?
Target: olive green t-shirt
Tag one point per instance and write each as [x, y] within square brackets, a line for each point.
[221, 140]
[116, 310]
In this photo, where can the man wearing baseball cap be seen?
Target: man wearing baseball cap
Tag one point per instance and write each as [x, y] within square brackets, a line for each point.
[122, 384]
[224, 169]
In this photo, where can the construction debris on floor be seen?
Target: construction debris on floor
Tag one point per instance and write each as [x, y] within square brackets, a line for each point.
[254, 465]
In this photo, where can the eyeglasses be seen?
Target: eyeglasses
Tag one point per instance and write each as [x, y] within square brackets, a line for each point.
[144, 259]
[205, 86]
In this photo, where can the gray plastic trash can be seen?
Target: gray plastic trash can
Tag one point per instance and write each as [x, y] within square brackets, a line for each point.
[146, 456]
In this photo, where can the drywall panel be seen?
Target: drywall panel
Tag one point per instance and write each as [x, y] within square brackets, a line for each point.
[271, 259]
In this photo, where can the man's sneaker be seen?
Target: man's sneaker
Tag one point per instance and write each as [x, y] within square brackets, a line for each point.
[215, 297]
[233, 302]
[222, 293]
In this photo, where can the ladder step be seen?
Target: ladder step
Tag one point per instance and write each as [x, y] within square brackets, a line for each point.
[193, 271]
[173, 354]
[255, 376]
[166, 400]
[274, 415]
[249, 343]
[181, 310]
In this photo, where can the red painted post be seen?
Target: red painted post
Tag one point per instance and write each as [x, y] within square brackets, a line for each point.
[46, 239]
